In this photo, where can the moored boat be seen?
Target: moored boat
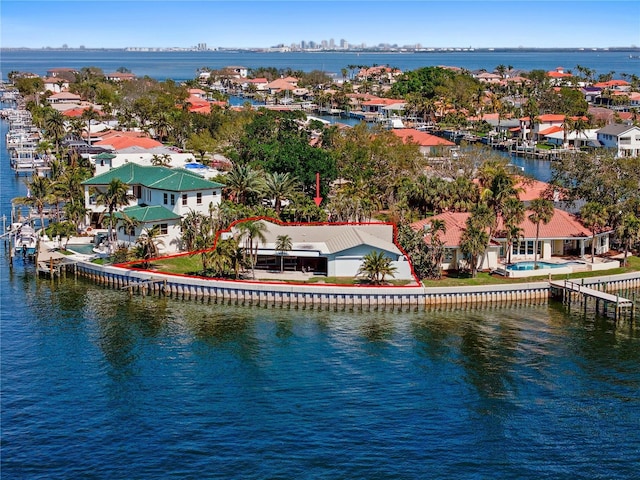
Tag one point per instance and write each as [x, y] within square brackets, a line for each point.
[26, 241]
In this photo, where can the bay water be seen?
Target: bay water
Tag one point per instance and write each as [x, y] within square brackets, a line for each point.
[182, 66]
[97, 384]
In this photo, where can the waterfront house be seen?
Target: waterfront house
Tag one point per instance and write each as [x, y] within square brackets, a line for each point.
[116, 140]
[614, 86]
[197, 93]
[603, 115]
[559, 76]
[55, 85]
[591, 93]
[335, 250]
[160, 196]
[64, 97]
[624, 139]
[282, 85]
[584, 138]
[543, 125]
[430, 145]
[454, 259]
[563, 236]
[63, 72]
[486, 77]
[259, 84]
[77, 111]
[236, 71]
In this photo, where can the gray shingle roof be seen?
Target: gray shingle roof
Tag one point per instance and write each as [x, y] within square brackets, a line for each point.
[616, 129]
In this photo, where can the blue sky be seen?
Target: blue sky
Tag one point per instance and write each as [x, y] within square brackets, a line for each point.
[262, 23]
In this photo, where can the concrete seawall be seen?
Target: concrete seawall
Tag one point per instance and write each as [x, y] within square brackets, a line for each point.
[342, 297]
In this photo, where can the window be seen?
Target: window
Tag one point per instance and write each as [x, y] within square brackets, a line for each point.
[530, 247]
[215, 192]
[173, 199]
[199, 198]
[137, 191]
[525, 247]
[164, 228]
[184, 199]
[165, 198]
[448, 255]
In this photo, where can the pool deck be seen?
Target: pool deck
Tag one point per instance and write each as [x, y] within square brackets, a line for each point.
[583, 265]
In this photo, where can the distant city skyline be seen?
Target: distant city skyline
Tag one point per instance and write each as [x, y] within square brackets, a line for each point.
[263, 24]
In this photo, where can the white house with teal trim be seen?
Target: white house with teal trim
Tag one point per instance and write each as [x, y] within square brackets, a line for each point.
[159, 196]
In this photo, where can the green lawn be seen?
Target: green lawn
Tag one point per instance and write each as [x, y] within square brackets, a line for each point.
[187, 264]
[183, 265]
[487, 279]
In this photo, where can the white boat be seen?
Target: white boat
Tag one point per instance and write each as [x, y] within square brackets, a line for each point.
[26, 241]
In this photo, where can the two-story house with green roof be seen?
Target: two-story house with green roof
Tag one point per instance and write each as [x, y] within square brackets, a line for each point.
[159, 196]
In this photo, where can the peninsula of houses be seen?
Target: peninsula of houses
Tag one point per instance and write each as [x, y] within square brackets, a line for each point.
[141, 169]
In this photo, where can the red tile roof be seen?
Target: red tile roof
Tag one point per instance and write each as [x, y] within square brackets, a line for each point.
[423, 139]
[455, 223]
[120, 142]
[382, 101]
[65, 96]
[546, 118]
[78, 111]
[562, 225]
[612, 83]
[528, 188]
[550, 130]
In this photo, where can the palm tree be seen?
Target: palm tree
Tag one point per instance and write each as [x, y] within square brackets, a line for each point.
[437, 245]
[129, 225]
[594, 216]
[473, 244]
[115, 196]
[75, 212]
[88, 115]
[253, 230]
[147, 244]
[541, 212]
[283, 245]
[40, 194]
[498, 187]
[190, 226]
[629, 232]
[513, 215]
[242, 181]
[55, 128]
[376, 266]
[279, 186]
[221, 262]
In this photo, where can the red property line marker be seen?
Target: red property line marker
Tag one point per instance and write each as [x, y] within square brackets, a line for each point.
[318, 198]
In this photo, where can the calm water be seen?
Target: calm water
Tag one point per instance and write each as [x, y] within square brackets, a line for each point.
[98, 385]
[183, 65]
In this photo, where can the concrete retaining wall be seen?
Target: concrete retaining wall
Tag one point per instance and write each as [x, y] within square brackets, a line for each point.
[330, 296]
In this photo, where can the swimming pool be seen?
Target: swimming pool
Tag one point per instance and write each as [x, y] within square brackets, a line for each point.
[530, 265]
[82, 248]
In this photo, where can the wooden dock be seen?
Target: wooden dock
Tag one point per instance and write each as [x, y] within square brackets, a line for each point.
[605, 303]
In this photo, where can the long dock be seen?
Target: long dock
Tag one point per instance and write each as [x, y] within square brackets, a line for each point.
[567, 291]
